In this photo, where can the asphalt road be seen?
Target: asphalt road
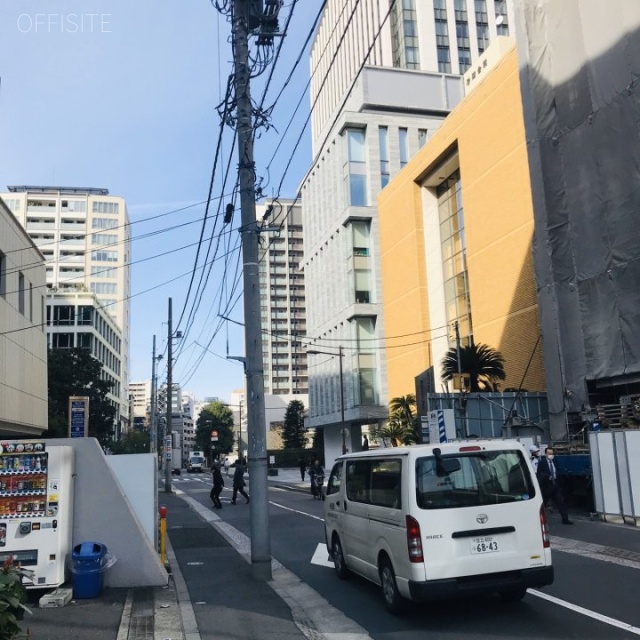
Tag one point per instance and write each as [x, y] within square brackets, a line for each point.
[591, 599]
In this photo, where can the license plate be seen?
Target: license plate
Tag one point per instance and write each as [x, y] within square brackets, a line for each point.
[484, 545]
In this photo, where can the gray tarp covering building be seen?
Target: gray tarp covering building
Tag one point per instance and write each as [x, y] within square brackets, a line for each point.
[580, 70]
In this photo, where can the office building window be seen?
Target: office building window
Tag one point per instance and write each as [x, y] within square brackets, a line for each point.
[422, 137]
[464, 58]
[21, 293]
[404, 35]
[104, 238]
[105, 207]
[104, 287]
[403, 135]
[442, 33]
[85, 315]
[366, 369]
[454, 255]
[3, 275]
[460, 10]
[62, 340]
[383, 135]
[31, 302]
[481, 12]
[359, 262]
[444, 60]
[84, 340]
[483, 36]
[356, 167]
[63, 315]
[502, 21]
[104, 223]
[104, 256]
[440, 9]
[77, 206]
[104, 272]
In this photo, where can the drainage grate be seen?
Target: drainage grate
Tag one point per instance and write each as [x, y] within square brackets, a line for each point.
[141, 624]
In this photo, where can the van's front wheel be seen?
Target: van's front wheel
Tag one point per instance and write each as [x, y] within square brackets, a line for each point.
[338, 559]
[394, 602]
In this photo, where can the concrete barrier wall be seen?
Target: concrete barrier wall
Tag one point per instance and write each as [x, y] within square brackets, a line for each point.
[103, 513]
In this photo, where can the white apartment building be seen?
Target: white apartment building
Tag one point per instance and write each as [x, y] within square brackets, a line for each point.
[140, 395]
[379, 89]
[75, 319]
[23, 345]
[282, 299]
[84, 235]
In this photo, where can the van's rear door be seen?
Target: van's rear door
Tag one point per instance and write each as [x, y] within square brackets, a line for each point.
[479, 512]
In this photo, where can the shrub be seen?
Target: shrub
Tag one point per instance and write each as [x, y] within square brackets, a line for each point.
[13, 596]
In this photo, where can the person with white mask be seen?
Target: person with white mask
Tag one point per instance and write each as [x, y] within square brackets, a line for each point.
[549, 484]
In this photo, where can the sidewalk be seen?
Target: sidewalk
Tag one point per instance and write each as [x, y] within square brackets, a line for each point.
[212, 594]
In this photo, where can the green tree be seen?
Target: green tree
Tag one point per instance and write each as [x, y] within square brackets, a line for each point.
[396, 431]
[132, 442]
[294, 433]
[402, 419]
[216, 416]
[75, 372]
[484, 365]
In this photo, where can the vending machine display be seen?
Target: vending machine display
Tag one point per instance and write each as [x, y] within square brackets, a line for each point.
[36, 505]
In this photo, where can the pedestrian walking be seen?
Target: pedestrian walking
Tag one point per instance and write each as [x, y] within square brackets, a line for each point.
[226, 466]
[316, 475]
[365, 443]
[303, 467]
[218, 484]
[239, 483]
[534, 452]
[549, 484]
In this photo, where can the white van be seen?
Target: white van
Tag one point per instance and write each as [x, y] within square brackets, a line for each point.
[437, 521]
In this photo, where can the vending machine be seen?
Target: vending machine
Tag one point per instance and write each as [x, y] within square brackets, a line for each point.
[36, 508]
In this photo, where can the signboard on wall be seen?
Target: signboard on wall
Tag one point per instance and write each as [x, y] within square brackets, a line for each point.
[441, 426]
[78, 416]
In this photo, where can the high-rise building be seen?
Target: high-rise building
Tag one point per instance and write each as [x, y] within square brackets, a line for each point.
[383, 80]
[140, 393]
[84, 235]
[282, 299]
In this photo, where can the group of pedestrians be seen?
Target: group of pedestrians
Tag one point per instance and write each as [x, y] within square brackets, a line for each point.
[218, 482]
[545, 469]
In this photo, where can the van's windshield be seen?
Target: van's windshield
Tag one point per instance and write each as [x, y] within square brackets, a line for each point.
[483, 477]
[197, 460]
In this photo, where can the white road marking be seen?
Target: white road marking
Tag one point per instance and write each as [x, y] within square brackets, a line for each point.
[303, 513]
[586, 612]
[321, 556]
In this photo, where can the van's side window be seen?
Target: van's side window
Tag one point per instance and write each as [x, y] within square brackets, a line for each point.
[375, 482]
[335, 479]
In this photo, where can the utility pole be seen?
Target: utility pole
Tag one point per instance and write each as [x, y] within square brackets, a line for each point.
[243, 10]
[343, 429]
[168, 436]
[153, 438]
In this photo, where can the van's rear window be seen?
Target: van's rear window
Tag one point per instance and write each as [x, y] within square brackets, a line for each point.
[473, 479]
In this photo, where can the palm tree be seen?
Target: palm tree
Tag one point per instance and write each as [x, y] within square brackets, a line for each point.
[484, 365]
[401, 410]
[396, 431]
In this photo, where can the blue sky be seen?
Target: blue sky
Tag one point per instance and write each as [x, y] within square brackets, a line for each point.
[122, 94]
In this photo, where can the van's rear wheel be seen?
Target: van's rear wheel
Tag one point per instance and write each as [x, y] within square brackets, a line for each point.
[394, 602]
[338, 559]
[514, 595]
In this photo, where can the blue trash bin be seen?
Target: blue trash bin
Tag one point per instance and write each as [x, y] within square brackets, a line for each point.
[88, 569]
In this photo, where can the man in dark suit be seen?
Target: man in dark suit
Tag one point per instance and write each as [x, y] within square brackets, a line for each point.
[549, 484]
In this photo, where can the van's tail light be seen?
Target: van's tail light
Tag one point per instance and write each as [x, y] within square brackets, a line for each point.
[414, 540]
[544, 528]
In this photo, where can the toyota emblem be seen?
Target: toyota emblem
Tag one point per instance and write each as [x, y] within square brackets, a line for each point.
[482, 518]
